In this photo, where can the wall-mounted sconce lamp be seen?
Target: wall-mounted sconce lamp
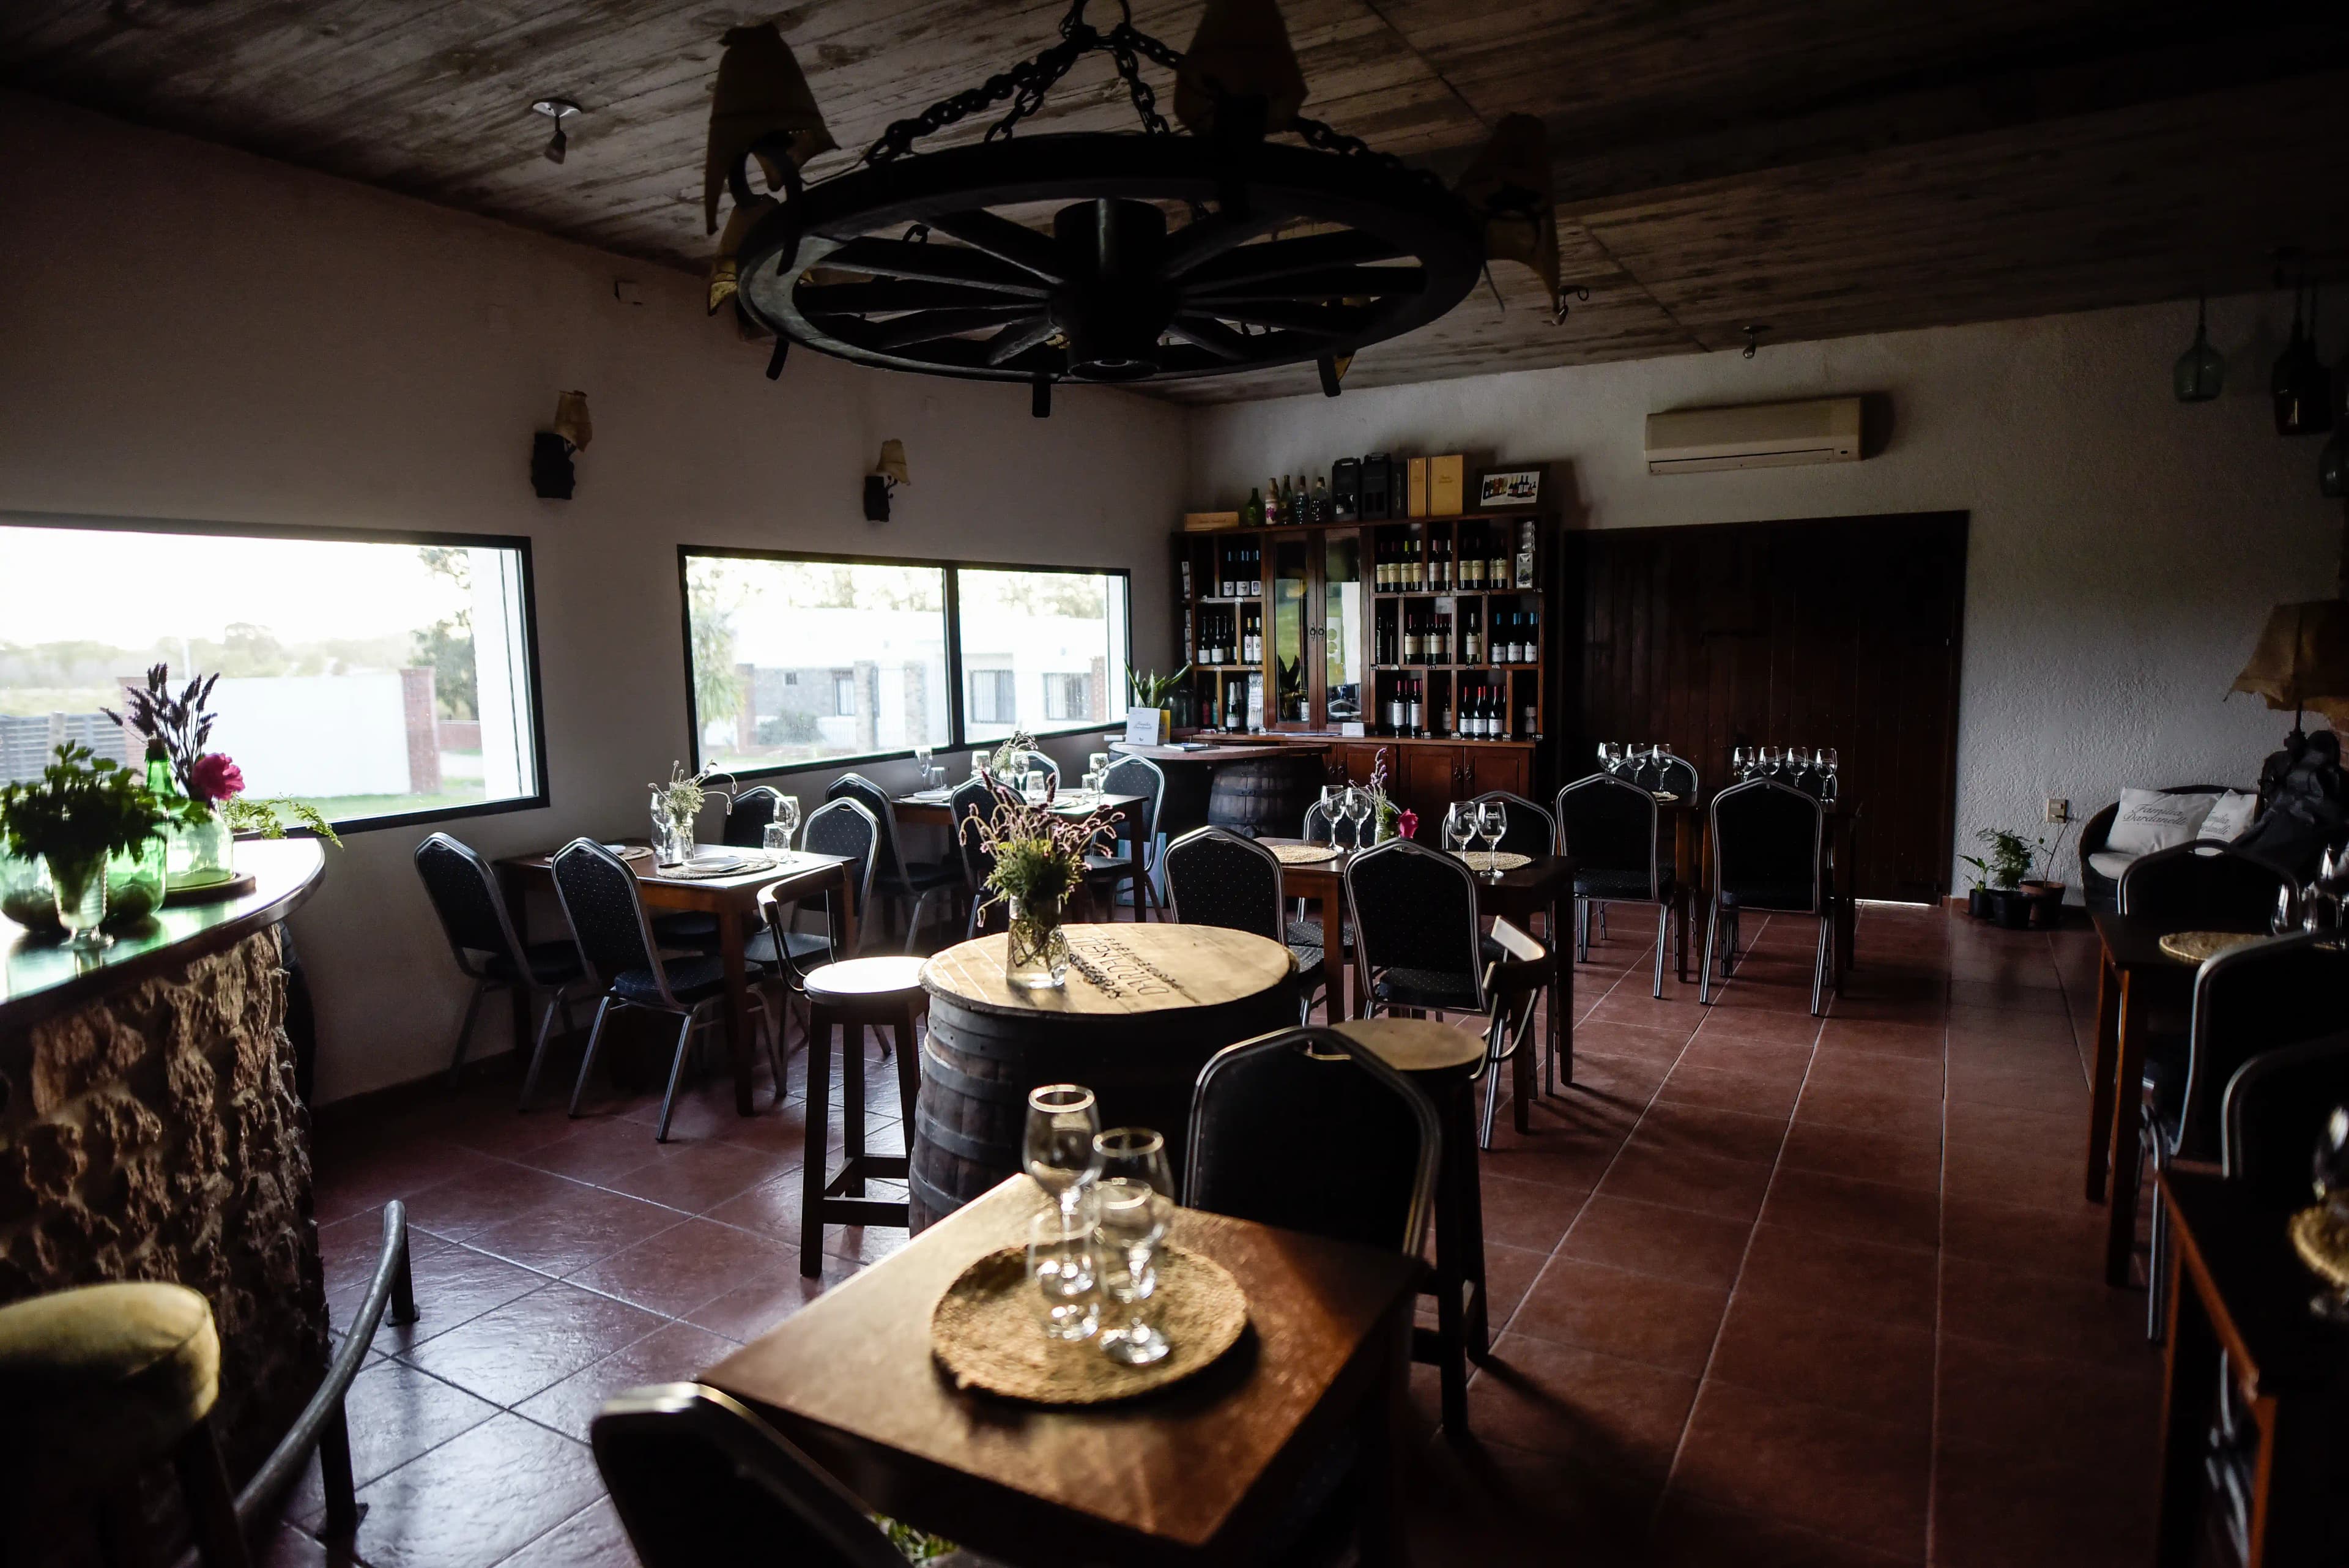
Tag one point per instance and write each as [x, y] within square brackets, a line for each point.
[886, 475]
[557, 110]
[550, 473]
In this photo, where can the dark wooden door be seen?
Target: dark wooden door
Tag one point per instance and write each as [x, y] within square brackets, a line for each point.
[1839, 632]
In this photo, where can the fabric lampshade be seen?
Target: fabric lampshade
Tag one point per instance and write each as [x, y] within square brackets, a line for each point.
[570, 419]
[1240, 51]
[1508, 186]
[2302, 660]
[892, 467]
[759, 93]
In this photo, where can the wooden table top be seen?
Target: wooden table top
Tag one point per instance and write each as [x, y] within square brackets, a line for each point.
[923, 800]
[1540, 874]
[2239, 1243]
[1152, 966]
[2133, 941]
[1167, 1477]
[1220, 750]
[1415, 1044]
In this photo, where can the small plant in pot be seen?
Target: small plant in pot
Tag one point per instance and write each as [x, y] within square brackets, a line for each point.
[1978, 895]
[2043, 892]
[2008, 863]
[82, 810]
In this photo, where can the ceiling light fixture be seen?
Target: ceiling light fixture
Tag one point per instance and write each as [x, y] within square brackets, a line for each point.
[2200, 373]
[1211, 250]
[557, 110]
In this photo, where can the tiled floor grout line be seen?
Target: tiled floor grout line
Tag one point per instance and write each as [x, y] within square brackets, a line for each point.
[1941, 1273]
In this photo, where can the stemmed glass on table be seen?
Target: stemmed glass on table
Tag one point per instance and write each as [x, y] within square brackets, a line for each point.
[1358, 810]
[1057, 1151]
[1459, 826]
[1134, 1195]
[775, 839]
[1492, 826]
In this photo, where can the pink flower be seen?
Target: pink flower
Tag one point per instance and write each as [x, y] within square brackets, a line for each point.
[1407, 824]
[214, 778]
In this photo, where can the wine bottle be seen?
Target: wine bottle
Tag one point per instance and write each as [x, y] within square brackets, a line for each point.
[1415, 710]
[1320, 498]
[1468, 653]
[1252, 514]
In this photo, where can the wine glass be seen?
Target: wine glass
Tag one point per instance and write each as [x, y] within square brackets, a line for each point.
[1136, 1204]
[1604, 765]
[977, 763]
[1038, 784]
[2286, 918]
[1057, 1151]
[921, 764]
[1741, 761]
[1098, 761]
[1358, 810]
[1459, 829]
[1773, 761]
[776, 836]
[1063, 1265]
[1492, 826]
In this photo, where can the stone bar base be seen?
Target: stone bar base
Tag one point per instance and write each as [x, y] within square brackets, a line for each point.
[155, 1134]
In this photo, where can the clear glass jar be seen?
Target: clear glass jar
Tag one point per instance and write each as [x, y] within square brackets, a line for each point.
[27, 895]
[80, 887]
[1036, 952]
[135, 883]
[201, 853]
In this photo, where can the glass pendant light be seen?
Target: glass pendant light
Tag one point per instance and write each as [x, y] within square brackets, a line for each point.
[2301, 384]
[2333, 462]
[2201, 372]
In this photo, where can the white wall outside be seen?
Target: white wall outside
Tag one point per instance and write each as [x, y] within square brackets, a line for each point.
[315, 734]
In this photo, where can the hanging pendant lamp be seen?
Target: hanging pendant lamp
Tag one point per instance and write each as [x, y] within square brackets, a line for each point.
[2200, 373]
[2302, 386]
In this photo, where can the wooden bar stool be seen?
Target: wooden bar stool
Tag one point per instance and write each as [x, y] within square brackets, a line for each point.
[855, 994]
[1443, 1063]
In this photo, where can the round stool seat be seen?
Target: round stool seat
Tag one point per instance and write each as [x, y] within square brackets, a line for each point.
[108, 1377]
[866, 980]
[1418, 1047]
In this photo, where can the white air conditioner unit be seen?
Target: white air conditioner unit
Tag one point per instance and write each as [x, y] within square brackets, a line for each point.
[1757, 435]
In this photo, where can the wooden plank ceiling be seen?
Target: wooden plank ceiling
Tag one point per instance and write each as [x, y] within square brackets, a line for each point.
[1826, 167]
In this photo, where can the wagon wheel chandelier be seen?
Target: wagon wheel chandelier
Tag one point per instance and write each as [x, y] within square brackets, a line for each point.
[1171, 254]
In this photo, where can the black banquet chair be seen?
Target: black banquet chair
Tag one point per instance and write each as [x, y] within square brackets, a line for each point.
[1216, 877]
[1609, 826]
[974, 800]
[1418, 949]
[616, 947]
[1769, 855]
[1306, 1130]
[1139, 832]
[839, 827]
[2248, 1001]
[480, 932]
[699, 1480]
[895, 876]
[1531, 829]
[2202, 885]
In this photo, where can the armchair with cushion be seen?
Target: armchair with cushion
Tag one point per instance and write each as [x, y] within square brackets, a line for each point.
[2102, 860]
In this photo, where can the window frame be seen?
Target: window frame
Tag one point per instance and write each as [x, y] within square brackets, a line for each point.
[541, 800]
[958, 720]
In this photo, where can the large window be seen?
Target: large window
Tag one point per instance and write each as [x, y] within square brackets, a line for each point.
[801, 660]
[376, 677]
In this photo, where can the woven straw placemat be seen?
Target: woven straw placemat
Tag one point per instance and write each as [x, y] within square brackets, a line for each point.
[1493, 860]
[2320, 1235]
[985, 1332]
[2193, 947]
[1302, 854]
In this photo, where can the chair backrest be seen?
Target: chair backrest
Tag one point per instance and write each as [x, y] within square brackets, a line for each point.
[846, 827]
[1308, 1131]
[698, 1479]
[1414, 908]
[1609, 823]
[600, 899]
[1138, 775]
[747, 816]
[2248, 1001]
[1532, 830]
[889, 857]
[2205, 885]
[1769, 845]
[464, 894]
[1216, 877]
[2275, 1109]
[973, 797]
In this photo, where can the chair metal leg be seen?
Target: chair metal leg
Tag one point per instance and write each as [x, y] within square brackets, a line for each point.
[211, 1505]
[676, 1074]
[560, 998]
[1820, 964]
[465, 1030]
[2156, 1271]
[1705, 971]
[587, 1058]
[1582, 931]
[1663, 930]
[334, 1474]
[913, 921]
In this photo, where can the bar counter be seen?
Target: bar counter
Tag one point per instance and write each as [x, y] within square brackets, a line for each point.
[150, 1129]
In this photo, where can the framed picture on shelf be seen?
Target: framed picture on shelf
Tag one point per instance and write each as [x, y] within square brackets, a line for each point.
[1500, 488]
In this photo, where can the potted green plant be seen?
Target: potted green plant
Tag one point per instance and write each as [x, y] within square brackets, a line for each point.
[2009, 859]
[2046, 894]
[1978, 895]
[1038, 857]
[80, 811]
[1148, 688]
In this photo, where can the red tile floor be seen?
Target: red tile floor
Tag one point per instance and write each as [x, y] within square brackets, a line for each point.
[1768, 1290]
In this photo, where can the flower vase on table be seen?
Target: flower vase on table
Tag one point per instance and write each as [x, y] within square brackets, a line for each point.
[80, 883]
[26, 896]
[1036, 954]
[203, 853]
[137, 879]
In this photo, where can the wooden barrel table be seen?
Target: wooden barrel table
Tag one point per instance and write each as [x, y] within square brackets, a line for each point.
[1194, 777]
[1145, 1005]
[1266, 796]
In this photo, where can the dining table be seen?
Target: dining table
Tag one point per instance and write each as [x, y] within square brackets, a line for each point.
[732, 899]
[1543, 886]
[1206, 1470]
[2135, 977]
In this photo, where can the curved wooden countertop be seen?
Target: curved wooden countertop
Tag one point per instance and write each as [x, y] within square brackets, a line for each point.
[1223, 751]
[41, 978]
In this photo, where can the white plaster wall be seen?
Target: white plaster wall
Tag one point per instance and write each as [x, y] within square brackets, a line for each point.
[2123, 548]
[190, 332]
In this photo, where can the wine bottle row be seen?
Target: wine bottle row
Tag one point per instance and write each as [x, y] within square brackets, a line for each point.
[1426, 636]
[1224, 638]
[1480, 714]
[1478, 560]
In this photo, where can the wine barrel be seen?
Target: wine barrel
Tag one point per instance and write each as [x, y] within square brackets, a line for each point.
[1265, 797]
[1145, 1005]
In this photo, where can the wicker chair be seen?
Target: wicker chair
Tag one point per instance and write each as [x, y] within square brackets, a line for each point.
[2100, 879]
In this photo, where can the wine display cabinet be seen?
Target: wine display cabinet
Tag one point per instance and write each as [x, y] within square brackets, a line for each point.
[1428, 636]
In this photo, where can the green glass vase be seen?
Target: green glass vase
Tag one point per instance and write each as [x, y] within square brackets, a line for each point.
[26, 896]
[136, 882]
